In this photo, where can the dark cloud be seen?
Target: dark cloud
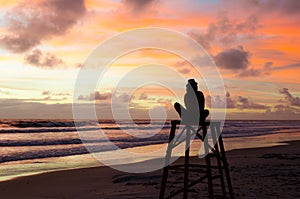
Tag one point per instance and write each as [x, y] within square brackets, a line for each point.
[122, 97]
[238, 102]
[285, 112]
[286, 7]
[61, 94]
[138, 5]
[40, 59]
[250, 73]
[217, 101]
[250, 24]
[84, 98]
[46, 92]
[205, 39]
[229, 101]
[233, 58]
[268, 68]
[55, 94]
[268, 65]
[185, 67]
[143, 96]
[246, 103]
[79, 65]
[225, 31]
[267, 53]
[280, 107]
[95, 96]
[293, 101]
[31, 23]
[46, 98]
[185, 70]
[289, 66]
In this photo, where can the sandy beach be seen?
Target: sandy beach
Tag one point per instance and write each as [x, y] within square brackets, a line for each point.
[269, 172]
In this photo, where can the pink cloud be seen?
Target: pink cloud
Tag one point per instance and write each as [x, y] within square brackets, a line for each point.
[31, 23]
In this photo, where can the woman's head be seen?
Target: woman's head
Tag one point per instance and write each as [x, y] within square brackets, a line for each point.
[192, 85]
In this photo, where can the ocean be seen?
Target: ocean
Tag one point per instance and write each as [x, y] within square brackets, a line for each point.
[33, 146]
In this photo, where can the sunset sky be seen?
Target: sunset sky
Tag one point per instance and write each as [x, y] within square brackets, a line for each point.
[43, 44]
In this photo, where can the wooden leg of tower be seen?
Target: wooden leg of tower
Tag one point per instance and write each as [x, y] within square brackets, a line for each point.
[167, 161]
[218, 157]
[225, 165]
[226, 168]
[208, 164]
[209, 177]
[186, 163]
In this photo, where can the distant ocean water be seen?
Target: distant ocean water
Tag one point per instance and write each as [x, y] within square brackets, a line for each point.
[38, 139]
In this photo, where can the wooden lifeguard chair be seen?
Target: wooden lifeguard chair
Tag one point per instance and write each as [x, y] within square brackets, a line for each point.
[209, 172]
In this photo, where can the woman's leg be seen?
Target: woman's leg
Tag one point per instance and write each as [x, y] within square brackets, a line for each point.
[204, 115]
[180, 109]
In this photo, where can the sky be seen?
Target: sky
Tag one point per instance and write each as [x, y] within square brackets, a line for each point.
[44, 44]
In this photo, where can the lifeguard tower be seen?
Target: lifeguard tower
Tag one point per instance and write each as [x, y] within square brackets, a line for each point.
[215, 170]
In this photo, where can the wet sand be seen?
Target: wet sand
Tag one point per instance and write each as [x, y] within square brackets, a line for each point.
[269, 172]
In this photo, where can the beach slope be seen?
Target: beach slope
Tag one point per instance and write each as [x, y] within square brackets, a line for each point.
[270, 172]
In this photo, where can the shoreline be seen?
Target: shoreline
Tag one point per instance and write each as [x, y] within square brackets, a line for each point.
[231, 144]
[264, 171]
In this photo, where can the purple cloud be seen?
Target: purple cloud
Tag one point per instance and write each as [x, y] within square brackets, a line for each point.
[233, 58]
[138, 5]
[284, 7]
[94, 96]
[31, 23]
[294, 101]
[225, 31]
[40, 59]
[46, 92]
[143, 96]
[239, 102]
[250, 73]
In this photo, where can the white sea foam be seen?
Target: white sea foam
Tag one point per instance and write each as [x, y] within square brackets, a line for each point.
[36, 139]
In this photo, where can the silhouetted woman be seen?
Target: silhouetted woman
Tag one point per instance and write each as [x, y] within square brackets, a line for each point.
[194, 102]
